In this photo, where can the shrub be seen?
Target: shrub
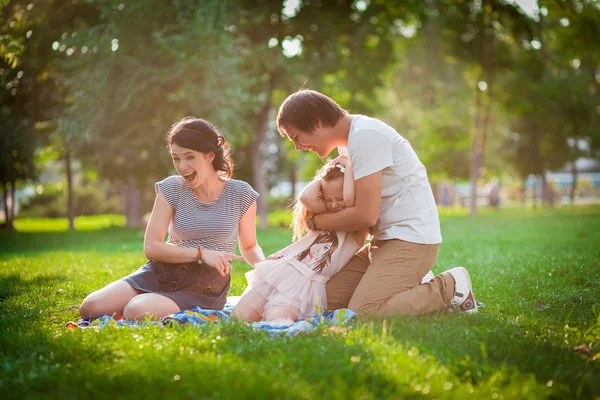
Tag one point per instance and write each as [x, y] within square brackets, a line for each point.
[90, 199]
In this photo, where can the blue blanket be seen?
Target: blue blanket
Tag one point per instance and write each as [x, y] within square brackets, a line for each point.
[197, 317]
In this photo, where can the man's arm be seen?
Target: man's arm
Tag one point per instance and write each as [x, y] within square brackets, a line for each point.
[365, 212]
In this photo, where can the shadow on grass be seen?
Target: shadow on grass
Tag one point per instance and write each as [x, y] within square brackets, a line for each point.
[482, 345]
[226, 361]
[108, 239]
[14, 285]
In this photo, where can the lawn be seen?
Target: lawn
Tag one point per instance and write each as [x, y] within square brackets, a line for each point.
[537, 272]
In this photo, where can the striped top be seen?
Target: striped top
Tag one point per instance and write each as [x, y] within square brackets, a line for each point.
[213, 225]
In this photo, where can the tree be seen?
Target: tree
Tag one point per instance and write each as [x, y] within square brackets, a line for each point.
[16, 164]
[429, 99]
[35, 94]
[132, 81]
[550, 96]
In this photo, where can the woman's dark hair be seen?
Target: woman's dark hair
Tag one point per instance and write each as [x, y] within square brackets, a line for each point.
[305, 109]
[200, 135]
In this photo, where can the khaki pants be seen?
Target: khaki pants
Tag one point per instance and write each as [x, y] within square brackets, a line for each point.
[384, 277]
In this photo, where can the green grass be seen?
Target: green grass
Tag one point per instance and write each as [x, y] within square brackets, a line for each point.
[538, 273]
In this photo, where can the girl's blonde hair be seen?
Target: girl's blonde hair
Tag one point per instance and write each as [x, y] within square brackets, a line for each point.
[327, 173]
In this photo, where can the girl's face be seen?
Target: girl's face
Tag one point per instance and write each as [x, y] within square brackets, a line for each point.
[192, 165]
[333, 194]
[317, 250]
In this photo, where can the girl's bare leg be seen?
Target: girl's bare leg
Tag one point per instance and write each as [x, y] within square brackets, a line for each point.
[280, 312]
[244, 312]
[110, 300]
[248, 313]
[150, 305]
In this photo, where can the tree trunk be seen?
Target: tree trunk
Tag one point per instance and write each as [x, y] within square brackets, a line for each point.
[133, 204]
[70, 206]
[523, 192]
[574, 184]
[475, 152]
[258, 180]
[535, 193]
[255, 153]
[483, 100]
[11, 208]
[5, 199]
[547, 193]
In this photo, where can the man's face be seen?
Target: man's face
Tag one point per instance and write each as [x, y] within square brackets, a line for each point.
[318, 141]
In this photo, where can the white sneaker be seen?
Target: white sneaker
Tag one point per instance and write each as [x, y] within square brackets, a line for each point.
[463, 299]
[428, 277]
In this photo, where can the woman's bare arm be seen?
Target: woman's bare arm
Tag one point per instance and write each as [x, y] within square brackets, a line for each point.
[155, 247]
[249, 247]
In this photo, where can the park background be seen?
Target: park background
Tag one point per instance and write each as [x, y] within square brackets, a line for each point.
[500, 99]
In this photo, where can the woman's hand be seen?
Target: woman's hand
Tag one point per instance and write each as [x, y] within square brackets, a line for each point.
[220, 260]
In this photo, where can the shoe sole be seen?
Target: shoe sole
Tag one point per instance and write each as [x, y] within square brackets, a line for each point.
[469, 305]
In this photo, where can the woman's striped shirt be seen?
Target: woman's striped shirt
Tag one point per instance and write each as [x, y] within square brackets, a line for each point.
[213, 225]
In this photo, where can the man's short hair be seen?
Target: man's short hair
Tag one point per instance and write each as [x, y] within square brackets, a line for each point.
[306, 108]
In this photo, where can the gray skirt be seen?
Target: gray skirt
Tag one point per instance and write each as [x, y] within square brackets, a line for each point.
[188, 285]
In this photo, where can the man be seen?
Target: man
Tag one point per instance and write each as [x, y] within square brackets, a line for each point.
[393, 200]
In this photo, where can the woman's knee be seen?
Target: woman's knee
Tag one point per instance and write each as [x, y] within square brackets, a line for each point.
[136, 310]
[149, 305]
[90, 306]
[109, 300]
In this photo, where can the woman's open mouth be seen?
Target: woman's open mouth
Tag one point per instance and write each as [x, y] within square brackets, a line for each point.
[189, 177]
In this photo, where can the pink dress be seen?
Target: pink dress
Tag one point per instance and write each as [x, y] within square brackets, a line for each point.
[298, 279]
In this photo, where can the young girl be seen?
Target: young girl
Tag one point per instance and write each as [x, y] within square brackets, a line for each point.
[291, 283]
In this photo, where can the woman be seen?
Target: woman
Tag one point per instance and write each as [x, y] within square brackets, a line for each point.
[204, 212]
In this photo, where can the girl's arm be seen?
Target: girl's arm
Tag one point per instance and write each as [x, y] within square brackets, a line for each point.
[349, 195]
[365, 212]
[249, 247]
[311, 199]
[349, 192]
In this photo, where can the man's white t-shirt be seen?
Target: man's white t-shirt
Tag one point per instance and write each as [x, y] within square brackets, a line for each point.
[408, 210]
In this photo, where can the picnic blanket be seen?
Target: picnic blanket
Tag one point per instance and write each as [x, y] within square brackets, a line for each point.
[196, 316]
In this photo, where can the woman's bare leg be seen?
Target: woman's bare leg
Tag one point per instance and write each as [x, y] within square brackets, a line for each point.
[151, 305]
[110, 300]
